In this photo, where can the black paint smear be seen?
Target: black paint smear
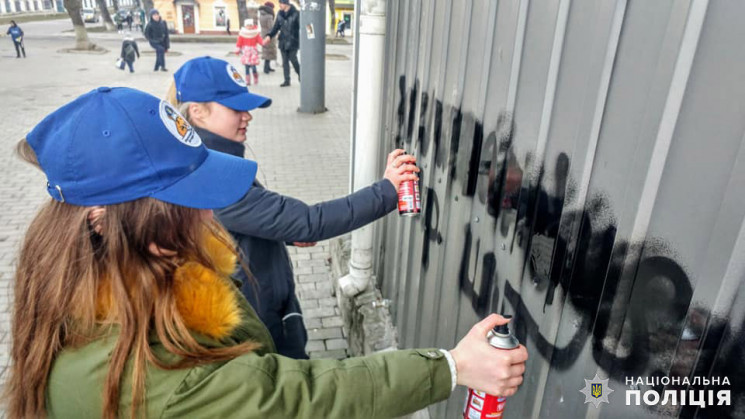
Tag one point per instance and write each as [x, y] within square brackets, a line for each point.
[422, 134]
[457, 118]
[431, 232]
[400, 113]
[437, 135]
[479, 298]
[412, 112]
[475, 160]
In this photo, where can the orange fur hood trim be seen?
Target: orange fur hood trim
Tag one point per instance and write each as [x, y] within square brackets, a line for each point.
[205, 298]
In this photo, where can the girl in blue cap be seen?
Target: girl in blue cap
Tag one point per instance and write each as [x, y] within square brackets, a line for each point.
[124, 305]
[214, 98]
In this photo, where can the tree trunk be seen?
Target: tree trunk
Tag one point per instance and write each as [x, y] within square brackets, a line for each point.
[332, 9]
[242, 14]
[105, 15]
[81, 36]
[148, 6]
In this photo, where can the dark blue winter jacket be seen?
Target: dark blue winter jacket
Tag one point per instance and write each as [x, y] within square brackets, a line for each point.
[263, 221]
[15, 33]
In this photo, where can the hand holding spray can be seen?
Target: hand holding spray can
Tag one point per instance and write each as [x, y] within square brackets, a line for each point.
[480, 405]
[409, 203]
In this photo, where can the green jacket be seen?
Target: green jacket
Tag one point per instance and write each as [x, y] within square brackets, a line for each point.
[261, 384]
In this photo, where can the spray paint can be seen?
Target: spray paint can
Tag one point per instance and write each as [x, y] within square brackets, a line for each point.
[409, 203]
[480, 405]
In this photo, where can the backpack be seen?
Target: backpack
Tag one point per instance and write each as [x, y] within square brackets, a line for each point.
[129, 52]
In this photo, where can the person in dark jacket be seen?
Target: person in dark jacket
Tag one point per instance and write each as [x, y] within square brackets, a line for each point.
[156, 32]
[288, 26]
[129, 52]
[263, 221]
[16, 34]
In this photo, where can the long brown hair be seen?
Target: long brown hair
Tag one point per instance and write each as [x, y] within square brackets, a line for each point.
[62, 267]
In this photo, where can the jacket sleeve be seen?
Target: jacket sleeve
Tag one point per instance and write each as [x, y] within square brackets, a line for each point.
[167, 40]
[275, 28]
[269, 215]
[384, 385]
[137, 49]
[148, 29]
[121, 55]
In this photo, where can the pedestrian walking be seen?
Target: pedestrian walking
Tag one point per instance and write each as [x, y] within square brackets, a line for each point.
[129, 19]
[227, 25]
[127, 276]
[247, 46]
[288, 26]
[130, 52]
[269, 50]
[340, 28]
[156, 32]
[211, 94]
[119, 22]
[16, 34]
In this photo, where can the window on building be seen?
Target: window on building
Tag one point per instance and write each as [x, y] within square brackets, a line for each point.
[221, 16]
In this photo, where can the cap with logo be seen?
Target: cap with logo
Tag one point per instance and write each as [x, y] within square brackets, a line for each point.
[207, 79]
[115, 145]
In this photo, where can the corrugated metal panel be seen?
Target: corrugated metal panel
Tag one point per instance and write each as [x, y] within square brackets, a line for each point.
[582, 165]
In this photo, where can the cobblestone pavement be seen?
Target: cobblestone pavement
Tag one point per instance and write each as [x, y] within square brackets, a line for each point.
[300, 155]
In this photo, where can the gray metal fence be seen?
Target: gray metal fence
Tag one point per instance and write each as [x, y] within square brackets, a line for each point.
[583, 169]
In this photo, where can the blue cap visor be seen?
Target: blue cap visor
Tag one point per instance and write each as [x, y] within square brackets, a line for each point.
[221, 180]
[245, 101]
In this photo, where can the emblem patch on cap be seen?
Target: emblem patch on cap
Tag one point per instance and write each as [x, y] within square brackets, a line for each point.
[177, 125]
[235, 76]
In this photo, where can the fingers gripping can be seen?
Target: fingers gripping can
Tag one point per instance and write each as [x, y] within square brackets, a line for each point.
[409, 203]
[480, 405]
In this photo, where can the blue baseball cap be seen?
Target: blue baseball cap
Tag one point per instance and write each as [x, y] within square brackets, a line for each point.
[207, 79]
[115, 145]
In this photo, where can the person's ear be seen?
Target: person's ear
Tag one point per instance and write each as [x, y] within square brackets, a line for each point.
[197, 112]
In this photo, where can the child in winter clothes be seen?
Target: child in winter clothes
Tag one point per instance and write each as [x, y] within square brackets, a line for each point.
[249, 38]
[129, 51]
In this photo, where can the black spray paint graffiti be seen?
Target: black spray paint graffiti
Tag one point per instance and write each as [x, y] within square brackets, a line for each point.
[636, 324]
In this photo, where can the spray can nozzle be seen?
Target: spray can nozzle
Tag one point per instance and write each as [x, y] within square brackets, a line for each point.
[503, 329]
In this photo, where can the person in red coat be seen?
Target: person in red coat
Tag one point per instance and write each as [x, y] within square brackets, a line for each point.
[247, 46]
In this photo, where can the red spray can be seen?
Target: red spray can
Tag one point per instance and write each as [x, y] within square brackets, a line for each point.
[409, 203]
[480, 405]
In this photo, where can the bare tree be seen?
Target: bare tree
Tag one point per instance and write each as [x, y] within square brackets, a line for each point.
[242, 13]
[332, 9]
[81, 36]
[105, 15]
[148, 6]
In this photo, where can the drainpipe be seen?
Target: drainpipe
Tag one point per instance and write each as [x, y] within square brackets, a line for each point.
[368, 133]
